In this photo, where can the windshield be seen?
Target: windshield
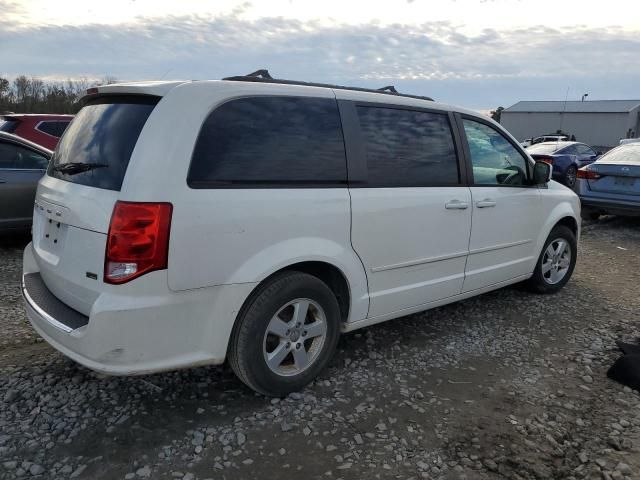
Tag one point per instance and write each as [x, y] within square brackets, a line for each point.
[544, 148]
[628, 154]
[104, 132]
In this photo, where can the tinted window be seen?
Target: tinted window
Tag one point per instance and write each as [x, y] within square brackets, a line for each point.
[50, 128]
[570, 150]
[584, 150]
[407, 148]
[495, 160]
[9, 126]
[62, 126]
[104, 132]
[270, 140]
[17, 157]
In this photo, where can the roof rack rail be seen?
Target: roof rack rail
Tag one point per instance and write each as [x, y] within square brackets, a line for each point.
[262, 73]
[263, 76]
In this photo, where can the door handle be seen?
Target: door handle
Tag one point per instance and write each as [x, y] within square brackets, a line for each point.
[456, 205]
[486, 203]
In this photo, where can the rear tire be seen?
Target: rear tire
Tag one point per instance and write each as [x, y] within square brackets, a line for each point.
[570, 176]
[590, 215]
[285, 334]
[556, 262]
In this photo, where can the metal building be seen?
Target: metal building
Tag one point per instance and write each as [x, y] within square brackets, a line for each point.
[601, 123]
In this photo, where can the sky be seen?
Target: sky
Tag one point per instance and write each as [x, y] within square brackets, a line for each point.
[475, 53]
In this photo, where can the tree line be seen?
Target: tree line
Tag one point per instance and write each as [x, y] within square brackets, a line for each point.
[34, 95]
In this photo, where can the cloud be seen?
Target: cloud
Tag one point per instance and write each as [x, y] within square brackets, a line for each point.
[429, 56]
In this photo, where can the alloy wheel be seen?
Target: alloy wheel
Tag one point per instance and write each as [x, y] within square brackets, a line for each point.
[571, 177]
[556, 261]
[294, 337]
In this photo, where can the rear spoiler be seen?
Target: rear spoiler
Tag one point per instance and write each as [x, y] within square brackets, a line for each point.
[155, 89]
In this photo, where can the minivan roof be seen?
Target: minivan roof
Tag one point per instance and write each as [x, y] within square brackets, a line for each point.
[162, 88]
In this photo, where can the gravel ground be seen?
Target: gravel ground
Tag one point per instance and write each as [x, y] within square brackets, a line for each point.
[506, 385]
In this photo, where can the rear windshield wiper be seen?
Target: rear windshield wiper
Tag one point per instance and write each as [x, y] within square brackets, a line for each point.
[72, 168]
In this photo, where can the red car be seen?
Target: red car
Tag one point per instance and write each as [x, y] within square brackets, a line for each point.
[39, 128]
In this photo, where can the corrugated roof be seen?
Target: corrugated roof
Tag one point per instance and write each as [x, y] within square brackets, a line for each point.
[588, 106]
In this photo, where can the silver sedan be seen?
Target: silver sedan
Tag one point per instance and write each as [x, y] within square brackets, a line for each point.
[22, 164]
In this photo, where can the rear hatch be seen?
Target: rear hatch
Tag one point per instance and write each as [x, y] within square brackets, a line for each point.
[617, 172]
[76, 198]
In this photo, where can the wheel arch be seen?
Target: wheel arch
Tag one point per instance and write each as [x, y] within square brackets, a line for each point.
[569, 222]
[562, 214]
[327, 272]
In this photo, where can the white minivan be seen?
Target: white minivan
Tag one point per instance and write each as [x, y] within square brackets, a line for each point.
[254, 219]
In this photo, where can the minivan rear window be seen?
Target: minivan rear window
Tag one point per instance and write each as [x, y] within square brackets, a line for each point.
[103, 134]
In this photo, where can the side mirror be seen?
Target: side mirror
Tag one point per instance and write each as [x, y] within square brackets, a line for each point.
[541, 173]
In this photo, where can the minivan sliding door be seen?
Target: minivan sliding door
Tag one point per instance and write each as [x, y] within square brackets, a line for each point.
[411, 213]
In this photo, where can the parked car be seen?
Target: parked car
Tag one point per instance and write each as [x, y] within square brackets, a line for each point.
[274, 216]
[566, 158]
[611, 185]
[22, 164]
[42, 129]
[545, 138]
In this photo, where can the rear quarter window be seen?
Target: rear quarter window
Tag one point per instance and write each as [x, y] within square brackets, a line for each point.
[103, 133]
[268, 142]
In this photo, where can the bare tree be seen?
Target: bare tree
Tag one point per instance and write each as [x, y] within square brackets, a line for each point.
[34, 95]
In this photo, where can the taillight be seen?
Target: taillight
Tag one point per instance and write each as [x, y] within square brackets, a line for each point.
[545, 159]
[138, 240]
[587, 174]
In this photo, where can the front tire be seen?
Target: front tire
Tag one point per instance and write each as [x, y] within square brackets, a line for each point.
[286, 334]
[556, 262]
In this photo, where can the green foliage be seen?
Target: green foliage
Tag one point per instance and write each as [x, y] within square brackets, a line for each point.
[34, 95]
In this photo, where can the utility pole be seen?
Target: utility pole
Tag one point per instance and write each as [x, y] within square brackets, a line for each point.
[564, 108]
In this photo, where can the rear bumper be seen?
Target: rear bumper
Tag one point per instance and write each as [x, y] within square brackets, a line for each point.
[139, 329]
[612, 206]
